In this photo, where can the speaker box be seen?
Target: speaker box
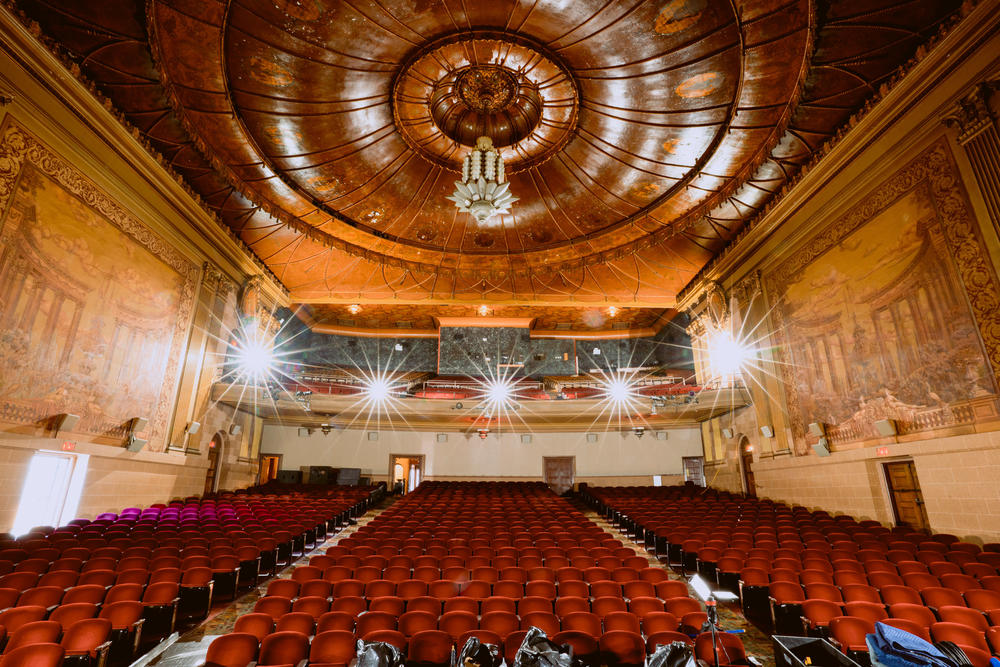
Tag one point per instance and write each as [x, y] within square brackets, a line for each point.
[885, 427]
[305, 432]
[525, 438]
[822, 448]
[373, 435]
[661, 435]
[65, 422]
[137, 424]
[817, 428]
[442, 437]
[767, 431]
[235, 429]
[135, 444]
[727, 432]
[591, 437]
[193, 427]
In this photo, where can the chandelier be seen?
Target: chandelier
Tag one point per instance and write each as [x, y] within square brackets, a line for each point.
[483, 190]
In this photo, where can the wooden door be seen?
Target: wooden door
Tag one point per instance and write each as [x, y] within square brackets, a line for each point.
[748, 479]
[904, 490]
[213, 464]
[270, 464]
[558, 472]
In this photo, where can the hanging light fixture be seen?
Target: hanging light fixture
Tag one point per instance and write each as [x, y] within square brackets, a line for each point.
[484, 190]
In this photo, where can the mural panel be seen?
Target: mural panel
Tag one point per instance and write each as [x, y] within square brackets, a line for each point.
[873, 318]
[94, 307]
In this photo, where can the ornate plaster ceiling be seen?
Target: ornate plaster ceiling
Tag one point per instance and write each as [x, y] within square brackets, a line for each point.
[640, 135]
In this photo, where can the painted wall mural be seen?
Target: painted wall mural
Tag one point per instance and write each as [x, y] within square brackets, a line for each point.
[872, 314]
[94, 307]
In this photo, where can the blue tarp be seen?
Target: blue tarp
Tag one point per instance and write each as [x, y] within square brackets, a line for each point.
[893, 647]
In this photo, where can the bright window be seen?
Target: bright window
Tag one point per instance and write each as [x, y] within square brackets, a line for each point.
[51, 492]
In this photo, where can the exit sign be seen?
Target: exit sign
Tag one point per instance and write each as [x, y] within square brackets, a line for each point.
[881, 451]
[68, 446]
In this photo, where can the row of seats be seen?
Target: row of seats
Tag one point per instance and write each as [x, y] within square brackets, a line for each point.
[455, 621]
[803, 572]
[140, 572]
[473, 590]
[464, 586]
[338, 648]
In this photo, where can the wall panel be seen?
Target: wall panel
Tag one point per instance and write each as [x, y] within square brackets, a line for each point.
[615, 456]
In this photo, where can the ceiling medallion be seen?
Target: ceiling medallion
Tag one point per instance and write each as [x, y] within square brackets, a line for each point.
[483, 190]
[486, 89]
[483, 83]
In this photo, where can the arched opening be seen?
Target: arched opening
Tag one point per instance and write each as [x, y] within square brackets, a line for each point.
[216, 449]
[746, 463]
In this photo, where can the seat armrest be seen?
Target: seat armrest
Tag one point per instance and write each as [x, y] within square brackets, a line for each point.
[101, 654]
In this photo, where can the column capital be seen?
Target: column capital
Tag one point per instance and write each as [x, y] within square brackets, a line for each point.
[972, 114]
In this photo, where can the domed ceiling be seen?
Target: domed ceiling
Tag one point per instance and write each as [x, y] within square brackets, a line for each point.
[639, 135]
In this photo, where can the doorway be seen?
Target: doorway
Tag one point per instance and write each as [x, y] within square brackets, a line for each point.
[270, 464]
[51, 493]
[694, 469]
[214, 461]
[904, 492]
[406, 471]
[559, 472]
[746, 459]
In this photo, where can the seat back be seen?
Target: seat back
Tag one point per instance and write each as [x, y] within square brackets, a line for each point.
[430, 647]
[86, 635]
[282, 648]
[34, 655]
[336, 647]
[236, 649]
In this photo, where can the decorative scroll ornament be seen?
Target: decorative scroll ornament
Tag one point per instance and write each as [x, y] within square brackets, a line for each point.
[484, 190]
